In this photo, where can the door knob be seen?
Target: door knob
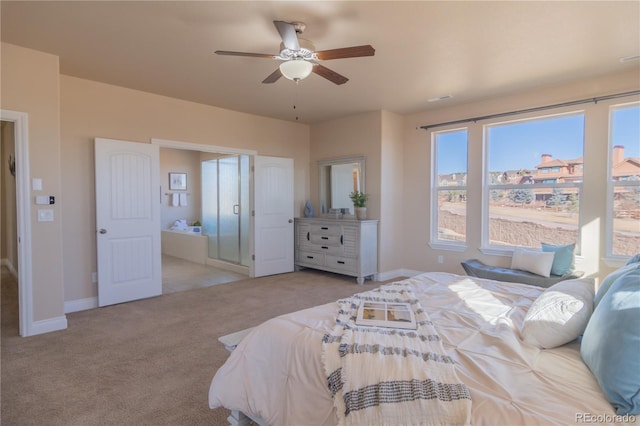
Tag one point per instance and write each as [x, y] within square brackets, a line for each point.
[103, 231]
[290, 220]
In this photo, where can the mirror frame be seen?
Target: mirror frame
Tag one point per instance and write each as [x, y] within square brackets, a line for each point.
[322, 174]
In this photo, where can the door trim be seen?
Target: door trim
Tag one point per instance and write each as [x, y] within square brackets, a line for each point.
[165, 143]
[20, 121]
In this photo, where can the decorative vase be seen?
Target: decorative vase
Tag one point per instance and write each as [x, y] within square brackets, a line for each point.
[361, 213]
[308, 209]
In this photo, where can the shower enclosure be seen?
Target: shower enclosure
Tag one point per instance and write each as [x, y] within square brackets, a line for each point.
[225, 208]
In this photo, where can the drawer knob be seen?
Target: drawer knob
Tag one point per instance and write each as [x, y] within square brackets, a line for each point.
[341, 262]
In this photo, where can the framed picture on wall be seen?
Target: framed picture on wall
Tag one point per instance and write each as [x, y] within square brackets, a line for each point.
[178, 181]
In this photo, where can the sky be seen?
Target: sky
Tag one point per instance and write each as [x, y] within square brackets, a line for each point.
[520, 145]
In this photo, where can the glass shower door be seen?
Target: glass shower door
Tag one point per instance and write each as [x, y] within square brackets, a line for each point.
[225, 208]
[229, 208]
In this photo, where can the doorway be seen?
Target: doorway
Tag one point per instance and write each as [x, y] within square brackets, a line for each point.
[9, 232]
[17, 136]
[8, 229]
[214, 203]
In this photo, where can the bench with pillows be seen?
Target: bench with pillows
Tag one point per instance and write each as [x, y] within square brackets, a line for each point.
[543, 268]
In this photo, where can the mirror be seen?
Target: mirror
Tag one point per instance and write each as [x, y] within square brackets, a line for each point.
[339, 178]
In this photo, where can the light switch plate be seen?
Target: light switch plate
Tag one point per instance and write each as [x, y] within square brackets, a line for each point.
[45, 215]
[42, 199]
[36, 184]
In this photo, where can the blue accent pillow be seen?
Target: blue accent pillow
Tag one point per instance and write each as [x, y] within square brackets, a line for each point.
[610, 279]
[634, 259]
[563, 260]
[611, 344]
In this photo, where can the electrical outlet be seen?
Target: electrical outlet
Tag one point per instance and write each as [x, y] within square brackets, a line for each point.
[45, 215]
[440, 259]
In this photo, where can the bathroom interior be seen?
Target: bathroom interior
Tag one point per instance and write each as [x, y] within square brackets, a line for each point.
[204, 218]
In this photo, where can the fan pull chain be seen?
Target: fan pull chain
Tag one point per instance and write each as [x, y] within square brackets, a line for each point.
[295, 97]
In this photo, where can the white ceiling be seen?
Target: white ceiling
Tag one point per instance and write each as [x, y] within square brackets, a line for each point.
[424, 49]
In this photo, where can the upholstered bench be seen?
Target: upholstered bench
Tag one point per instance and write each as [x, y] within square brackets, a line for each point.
[475, 268]
[230, 341]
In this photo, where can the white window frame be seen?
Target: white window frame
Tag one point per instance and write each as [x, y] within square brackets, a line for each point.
[487, 187]
[434, 242]
[610, 257]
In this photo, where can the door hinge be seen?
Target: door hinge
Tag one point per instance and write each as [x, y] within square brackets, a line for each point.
[253, 213]
[253, 257]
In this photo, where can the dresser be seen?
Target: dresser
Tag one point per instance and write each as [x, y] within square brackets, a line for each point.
[348, 247]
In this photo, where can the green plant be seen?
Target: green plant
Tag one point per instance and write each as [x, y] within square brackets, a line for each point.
[359, 198]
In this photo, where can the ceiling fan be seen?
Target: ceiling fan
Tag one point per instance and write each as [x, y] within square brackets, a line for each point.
[300, 57]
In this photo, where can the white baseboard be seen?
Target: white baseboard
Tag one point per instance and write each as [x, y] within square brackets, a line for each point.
[396, 273]
[48, 325]
[80, 305]
[12, 270]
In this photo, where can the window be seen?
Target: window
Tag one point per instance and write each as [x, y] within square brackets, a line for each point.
[523, 205]
[623, 219]
[449, 189]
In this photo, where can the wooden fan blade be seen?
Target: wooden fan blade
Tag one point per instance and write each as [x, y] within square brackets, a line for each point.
[273, 77]
[346, 52]
[330, 75]
[288, 34]
[254, 55]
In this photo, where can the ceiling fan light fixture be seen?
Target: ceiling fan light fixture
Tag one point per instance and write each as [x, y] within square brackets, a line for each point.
[296, 69]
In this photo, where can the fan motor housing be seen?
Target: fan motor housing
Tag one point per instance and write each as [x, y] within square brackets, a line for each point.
[307, 51]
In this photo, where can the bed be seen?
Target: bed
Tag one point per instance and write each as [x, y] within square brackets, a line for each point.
[277, 373]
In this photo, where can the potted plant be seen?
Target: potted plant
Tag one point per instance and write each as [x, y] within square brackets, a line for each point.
[360, 204]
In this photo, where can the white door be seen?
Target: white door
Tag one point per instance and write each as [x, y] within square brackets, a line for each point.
[273, 221]
[127, 221]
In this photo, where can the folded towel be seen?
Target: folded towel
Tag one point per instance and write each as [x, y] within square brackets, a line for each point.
[183, 199]
[175, 200]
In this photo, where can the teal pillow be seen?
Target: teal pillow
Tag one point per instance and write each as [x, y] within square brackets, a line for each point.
[563, 260]
[611, 344]
[610, 279]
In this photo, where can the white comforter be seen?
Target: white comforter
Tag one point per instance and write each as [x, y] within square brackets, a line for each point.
[276, 372]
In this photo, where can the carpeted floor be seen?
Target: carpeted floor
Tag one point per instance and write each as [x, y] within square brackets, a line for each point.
[148, 362]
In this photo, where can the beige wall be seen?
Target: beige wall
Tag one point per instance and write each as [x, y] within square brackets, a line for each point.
[90, 109]
[419, 256]
[392, 189]
[349, 137]
[30, 84]
[180, 161]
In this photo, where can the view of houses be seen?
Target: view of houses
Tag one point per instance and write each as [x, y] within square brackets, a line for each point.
[549, 210]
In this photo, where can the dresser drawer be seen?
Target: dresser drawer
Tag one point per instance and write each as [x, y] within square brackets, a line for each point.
[342, 263]
[335, 250]
[310, 258]
[326, 229]
[326, 240]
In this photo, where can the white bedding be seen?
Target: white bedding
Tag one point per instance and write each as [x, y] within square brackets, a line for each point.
[276, 372]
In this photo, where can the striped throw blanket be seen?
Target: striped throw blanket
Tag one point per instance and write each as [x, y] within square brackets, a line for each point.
[385, 376]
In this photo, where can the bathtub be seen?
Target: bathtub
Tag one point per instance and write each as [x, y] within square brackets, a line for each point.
[189, 244]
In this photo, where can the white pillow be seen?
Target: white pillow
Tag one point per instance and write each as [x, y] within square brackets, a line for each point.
[560, 314]
[538, 262]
